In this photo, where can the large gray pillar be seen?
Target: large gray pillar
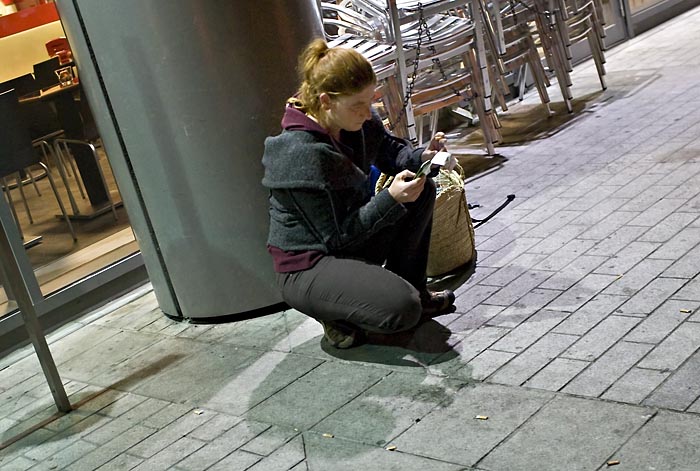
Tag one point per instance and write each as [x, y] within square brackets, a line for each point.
[184, 93]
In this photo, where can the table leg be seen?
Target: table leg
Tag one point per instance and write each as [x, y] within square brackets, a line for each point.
[93, 179]
[69, 116]
[90, 174]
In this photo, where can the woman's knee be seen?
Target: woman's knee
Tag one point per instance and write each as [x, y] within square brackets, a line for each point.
[401, 313]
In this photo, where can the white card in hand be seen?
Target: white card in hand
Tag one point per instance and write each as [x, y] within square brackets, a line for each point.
[441, 158]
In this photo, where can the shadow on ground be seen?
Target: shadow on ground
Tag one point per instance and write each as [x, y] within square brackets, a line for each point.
[77, 401]
[524, 123]
[454, 279]
[420, 347]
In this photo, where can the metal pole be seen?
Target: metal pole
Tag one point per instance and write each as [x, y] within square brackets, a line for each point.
[499, 24]
[481, 54]
[401, 59]
[168, 138]
[23, 284]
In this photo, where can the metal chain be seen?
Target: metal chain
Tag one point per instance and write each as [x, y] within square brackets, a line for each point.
[431, 48]
[512, 11]
[422, 30]
[412, 78]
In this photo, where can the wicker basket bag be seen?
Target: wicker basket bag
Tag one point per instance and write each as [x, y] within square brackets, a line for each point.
[452, 235]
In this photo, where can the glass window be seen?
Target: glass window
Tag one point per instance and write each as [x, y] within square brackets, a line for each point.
[53, 108]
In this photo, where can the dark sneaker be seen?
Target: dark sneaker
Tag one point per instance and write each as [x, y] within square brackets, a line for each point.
[338, 336]
[437, 302]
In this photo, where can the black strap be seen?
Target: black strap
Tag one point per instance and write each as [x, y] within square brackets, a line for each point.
[479, 222]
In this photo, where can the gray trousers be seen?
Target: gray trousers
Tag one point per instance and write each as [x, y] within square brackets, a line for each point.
[360, 293]
[355, 288]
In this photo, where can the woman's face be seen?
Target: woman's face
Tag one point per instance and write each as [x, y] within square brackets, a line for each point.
[349, 112]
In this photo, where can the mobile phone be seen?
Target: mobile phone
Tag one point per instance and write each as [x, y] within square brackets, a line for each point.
[424, 169]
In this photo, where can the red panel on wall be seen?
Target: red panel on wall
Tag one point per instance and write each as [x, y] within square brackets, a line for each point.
[27, 18]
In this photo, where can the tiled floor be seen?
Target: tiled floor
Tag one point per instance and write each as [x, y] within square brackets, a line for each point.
[575, 342]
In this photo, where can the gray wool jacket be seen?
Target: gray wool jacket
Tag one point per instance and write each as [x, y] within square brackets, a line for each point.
[321, 197]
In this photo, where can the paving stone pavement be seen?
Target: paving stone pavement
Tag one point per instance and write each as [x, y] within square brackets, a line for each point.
[575, 342]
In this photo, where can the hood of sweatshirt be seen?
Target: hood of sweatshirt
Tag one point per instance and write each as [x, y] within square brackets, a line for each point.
[310, 159]
[296, 120]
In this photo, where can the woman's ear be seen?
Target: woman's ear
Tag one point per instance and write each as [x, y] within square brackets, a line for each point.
[325, 100]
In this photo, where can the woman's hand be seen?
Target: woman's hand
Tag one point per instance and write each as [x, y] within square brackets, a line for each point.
[437, 143]
[404, 188]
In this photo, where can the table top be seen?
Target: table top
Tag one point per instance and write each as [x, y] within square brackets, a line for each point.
[48, 93]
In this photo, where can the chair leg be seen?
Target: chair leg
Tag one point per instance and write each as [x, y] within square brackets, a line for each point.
[563, 33]
[48, 154]
[479, 102]
[485, 124]
[498, 88]
[497, 125]
[74, 172]
[31, 179]
[563, 77]
[65, 156]
[60, 202]
[62, 171]
[46, 151]
[538, 75]
[12, 206]
[419, 129]
[597, 59]
[20, 187]
[60, 161]
[523, 80]
[433, 124]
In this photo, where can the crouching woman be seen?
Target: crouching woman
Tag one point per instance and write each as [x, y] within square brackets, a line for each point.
[352, 260]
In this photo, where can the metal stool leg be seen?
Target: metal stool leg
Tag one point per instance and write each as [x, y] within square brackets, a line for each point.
[67, 156]
[31, 179]
[20, 187]
[62, 171]
[12, 206]
[60, 202]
